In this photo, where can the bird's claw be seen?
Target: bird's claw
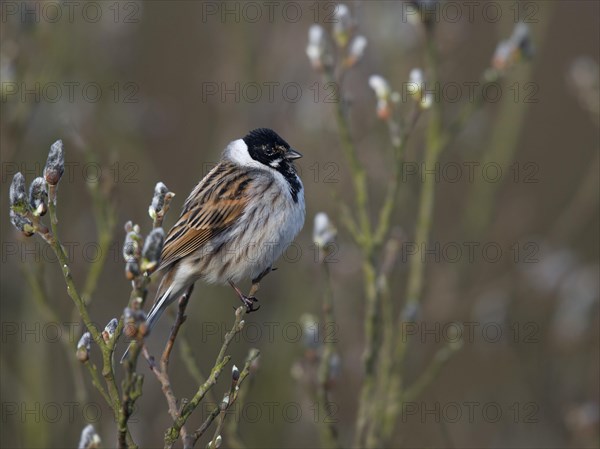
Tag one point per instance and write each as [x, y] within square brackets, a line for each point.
[249, 303]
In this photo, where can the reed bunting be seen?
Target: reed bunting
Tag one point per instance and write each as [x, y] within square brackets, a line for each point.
[236, 222]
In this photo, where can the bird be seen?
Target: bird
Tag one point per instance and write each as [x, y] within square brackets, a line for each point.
[236, 222]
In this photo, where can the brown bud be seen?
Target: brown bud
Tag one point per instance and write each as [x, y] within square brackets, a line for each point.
[55, 164]
[83, 347]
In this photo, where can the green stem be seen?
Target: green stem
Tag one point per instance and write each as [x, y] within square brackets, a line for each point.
[97, 383]
[390, 202]
[173, 432]
[366, 242]
[132, 390]
[427, 196]
[385, 363]
[372, 347]
[91, 282]
[231, 397]
[431, 372]
[104, 215]
[237, 395]
[359, 176]
[109, 379]
[52, 239]
[39, 294]
[434, 145]
[329, 434]
[508, 125]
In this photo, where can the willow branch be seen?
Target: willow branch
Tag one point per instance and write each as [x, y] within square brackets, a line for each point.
[52, 240]
[39, 294]
[390, 202]
[359, 176]
[172, 434]
[329, 434]
[431, 372]
[232, 397]
[162, 373]
[97, 382]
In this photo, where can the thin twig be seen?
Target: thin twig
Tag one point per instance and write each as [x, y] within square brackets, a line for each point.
[52, 240]
[165, 383]
[423, 227]
[390, 256]
[329, 434]
[172, 434]
[231, 398]
[35, 282]
[384, 222]
[96, 381]
[162, 373]
[179, 320]
[359, 176]
[431, 372]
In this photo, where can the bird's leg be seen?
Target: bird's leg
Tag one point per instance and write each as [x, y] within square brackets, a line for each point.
[256, 281]
[248, 301]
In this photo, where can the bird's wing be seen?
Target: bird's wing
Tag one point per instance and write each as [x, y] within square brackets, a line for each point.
[214, 206]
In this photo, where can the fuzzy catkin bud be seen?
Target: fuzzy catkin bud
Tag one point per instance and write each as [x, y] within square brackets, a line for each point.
[510, 51]
[83, 347]
[342, 25]
[89, 438]
[324, 232]
[38, 197]
[521, 39]
[17, 194]
[384, 95]
[55, 164]
[218, 442]
[152, 250]
[416, 82]
[235, 373]
[381, 87]
[132, 270]
[158, 200]
[356, 50]
[22, 223]
[131, 247]
[130, 324]
[502, 55]
[132, 250]
[135, 323]
[318, 50]
[109, 330]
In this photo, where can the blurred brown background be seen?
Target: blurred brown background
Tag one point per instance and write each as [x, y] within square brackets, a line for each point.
[178, 80]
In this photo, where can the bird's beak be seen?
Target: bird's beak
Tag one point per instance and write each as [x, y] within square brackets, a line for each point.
[292, 154]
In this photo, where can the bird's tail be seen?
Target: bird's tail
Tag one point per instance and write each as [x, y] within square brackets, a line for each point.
[156, 311]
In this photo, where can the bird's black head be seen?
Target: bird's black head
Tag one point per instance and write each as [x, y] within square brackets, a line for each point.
[267, 147]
